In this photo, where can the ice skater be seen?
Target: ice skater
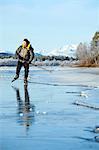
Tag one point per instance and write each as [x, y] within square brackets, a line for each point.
[25, 55]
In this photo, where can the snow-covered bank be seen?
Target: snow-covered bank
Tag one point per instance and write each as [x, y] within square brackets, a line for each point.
[8, 62]
[13, 62]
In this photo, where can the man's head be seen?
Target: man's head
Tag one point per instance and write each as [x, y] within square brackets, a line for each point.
[25, 43]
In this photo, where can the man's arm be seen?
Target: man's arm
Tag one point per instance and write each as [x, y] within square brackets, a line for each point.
[17, 55]
[17, 52]
[31, 54]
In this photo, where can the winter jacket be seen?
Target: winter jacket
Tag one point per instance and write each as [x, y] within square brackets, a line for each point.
[25, 54]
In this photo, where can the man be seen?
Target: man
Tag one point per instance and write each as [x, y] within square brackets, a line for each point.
[25, 55]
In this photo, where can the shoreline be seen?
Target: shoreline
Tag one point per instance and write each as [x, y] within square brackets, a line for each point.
[11, 62]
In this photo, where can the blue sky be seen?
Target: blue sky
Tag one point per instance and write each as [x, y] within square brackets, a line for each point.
[48, 24]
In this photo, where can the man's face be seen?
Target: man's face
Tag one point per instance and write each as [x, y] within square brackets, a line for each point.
[24, 44]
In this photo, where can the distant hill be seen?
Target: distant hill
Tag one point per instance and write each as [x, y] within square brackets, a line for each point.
[6, 54]
[38, 54]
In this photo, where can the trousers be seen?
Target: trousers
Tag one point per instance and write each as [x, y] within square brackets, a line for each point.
[26, 68]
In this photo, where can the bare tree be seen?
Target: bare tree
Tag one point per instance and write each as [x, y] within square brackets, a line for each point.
[88, 55]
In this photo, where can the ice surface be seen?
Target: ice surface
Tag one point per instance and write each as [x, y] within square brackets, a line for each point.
[41, 116]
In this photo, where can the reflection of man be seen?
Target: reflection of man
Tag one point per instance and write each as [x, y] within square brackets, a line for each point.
[25, 55]
[25, 110]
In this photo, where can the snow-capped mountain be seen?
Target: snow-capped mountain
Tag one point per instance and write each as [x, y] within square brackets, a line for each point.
[68, 50]
[2, 51]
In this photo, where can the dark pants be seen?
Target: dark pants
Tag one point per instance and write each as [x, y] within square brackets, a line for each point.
[26, 67]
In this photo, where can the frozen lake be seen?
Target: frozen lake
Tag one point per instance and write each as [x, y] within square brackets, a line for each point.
[43, 116]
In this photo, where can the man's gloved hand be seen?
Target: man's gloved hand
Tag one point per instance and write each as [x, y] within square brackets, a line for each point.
[26, 64]
[21, 58]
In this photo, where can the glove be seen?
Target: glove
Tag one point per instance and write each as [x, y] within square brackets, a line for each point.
[26, 64]
[20, 57]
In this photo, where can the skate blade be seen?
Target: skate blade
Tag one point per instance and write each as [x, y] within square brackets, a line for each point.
[13, 80]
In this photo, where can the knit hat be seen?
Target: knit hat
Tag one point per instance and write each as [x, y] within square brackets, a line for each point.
[27, 41]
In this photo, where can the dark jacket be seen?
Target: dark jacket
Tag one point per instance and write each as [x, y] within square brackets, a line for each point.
[28, 57]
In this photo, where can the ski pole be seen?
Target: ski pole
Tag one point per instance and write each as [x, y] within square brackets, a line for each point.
[42, 67]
